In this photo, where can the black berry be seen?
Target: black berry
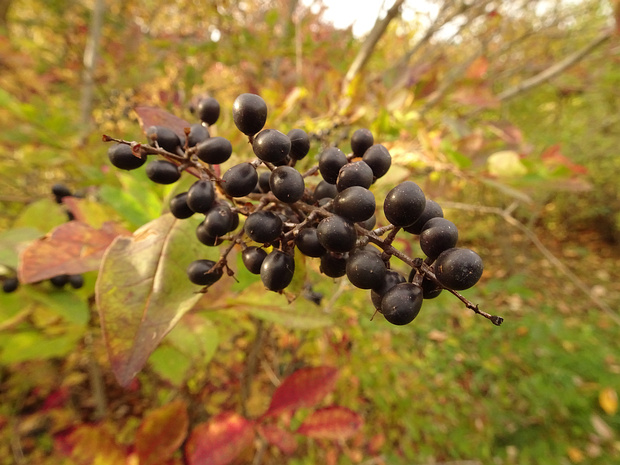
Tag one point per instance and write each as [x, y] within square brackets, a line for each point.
[162, 172]
[249, 113]
[201, 272]
[404, 204]
[122, 157]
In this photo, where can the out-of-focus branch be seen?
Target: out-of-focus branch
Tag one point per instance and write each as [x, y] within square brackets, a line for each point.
[555, 69]
[366, 51]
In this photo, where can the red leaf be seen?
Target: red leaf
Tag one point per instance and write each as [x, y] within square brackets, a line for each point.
[219, 441]
[161, 433]
[282, 439]
[553, 156]
[304, 388]
[153, 116]
[331, 423]
[478, 69]
[71, 248]
[89, 444]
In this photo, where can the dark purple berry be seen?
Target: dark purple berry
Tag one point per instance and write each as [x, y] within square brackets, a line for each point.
[458, 269]
[10, 285]
[197, 134]
[271, 145]
[431, 210]
[253, 258]
[337, 234]
[263, 226]
[379, 159]
[300, 143]
[277, 270]
[307, 241]
[355, 204]
[122, 157]
[333, 265]
[365, 268]
[390, 279]
[249, 113]
[208, 110]
[162, 172]
[163, 137]
[438, 234]
[240, 180]
[354, 174]
[214, 150]
[76, 281]
[201, 272]
[179, 207]
[361, 140]
[404, 204]
[325, 190]
[200, 196]
[287, 184]
[402, 303]
[330, 162]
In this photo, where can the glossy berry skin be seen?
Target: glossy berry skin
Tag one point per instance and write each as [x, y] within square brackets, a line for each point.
[287, 184]
[277, 270]
[197, 134]
[208, 110]
[333, 265]
[179, 207]
[379, 159]
[330, 162]
[404, 204]
[307, 241]
[214, 150]
[300, 143]
[240, 180]
[361, 140]
[249, 113]
[76, 281]
[402, 303]
[354, 174]
[163, 137]
[431, 210]
[10, 285]
[198, 272]
[200, 196]
[390, 279]
[203, 235]
[263, 181]
[271, 145]
[219, 220]
[355, 203]
[458, 269]
[368, 224]
[325, 190]
[253, 258]
[365, 269]
[438, 234]
[122, 157]
[336, 234]
[263, 226]
[162, 172]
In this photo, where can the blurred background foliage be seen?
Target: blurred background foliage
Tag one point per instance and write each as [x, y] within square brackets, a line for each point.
[477, 101]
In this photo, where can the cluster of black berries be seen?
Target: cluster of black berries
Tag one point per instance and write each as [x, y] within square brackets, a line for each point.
[333, 220]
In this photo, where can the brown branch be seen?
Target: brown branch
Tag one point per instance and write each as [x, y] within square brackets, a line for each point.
[556, 69]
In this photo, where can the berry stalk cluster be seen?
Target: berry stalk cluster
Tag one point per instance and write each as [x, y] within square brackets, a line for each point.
[332, 220]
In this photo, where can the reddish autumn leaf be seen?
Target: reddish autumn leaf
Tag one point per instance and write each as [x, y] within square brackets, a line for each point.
[161, 433]
[219, 441]
[331, 423]
[304, 388]
[553, 156]
[478, 69]
[153, 116]
[90, 444]
[71, 248]
[276, 436]
[479, 96]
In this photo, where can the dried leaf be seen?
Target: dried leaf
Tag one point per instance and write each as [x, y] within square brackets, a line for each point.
[161, 433]
[304, 388]
[276, 436]
[71, 248]
[153, 116]
[331, 423]
[219, 441]
[142, 290]
[91, 444]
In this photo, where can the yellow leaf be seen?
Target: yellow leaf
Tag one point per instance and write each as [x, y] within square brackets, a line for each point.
[575, 455]
[608, 400]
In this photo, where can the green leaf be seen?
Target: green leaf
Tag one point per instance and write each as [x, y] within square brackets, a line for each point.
[67, 305]
[142, 290]
[34, 345]
[170, 364]
[12, 242]
[42, 215]
[196, 337]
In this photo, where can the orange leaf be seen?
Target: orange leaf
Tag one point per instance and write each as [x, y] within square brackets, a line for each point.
[219, 441]
[478, 69]
[608, 400]
[89, 444]
[161, 433]
[304, 388]
[331, 423]
[71, 248]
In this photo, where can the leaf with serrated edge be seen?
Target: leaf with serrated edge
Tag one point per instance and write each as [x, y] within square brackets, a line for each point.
[304, 388]
[71, 248]
[142, 290]
[219, 441]
[161, 433]
[333, 422]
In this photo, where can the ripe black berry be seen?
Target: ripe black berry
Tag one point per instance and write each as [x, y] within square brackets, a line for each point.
[365, 269]
[431, 210]
[163, 137]
[354, 174]
[122, 157]
[203, 235]
[249, 113]
[361, 140]
[162, 172]
[10, 285]
[337, 234]
[287, 184]
[219, 220]
[458, 269]
[240, 180]
[277, 270]
[263, 226]
[214, 150]
[263, 181]
[404, 204]
[402, 303]
[390, 279]
[355, 203]
[200, 196]
[253, 258]
[300, 143]
[76, 281]
[333, 265]
[325, 190]
[330, 162]
[208, 110]
[379, 159]
[271, 145]
[179, 207]
[60, 280]
[307, 241]
[199, 272]
[197, 134]
[438, 234]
